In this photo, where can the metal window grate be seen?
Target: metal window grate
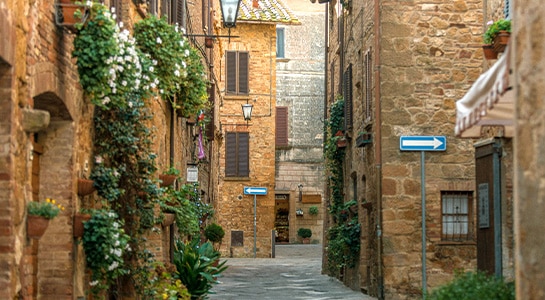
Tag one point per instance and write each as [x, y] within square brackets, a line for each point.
[457, 216]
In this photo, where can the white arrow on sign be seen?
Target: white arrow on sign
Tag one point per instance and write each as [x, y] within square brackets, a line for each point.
[435, 143]
[248, 190]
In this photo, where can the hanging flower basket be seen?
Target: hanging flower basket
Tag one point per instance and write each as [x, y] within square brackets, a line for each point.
[64, 16]
[36, 226]
[85, 187]
[78, 225]
[489, 52]
[501, 40]
[167, 180]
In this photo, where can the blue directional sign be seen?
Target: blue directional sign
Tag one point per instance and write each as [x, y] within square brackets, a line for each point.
[423, 143]
[253, 190]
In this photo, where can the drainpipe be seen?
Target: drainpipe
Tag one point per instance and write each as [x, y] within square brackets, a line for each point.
[378, 150]
[326, 72]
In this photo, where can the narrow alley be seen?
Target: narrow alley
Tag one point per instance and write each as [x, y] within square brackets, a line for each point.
[295, 273]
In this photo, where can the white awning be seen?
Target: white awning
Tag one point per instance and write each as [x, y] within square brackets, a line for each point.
[490, 101]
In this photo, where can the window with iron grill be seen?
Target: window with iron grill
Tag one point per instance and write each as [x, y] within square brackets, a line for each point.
[457, 215]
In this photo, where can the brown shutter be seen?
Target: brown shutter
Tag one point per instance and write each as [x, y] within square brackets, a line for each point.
[118, 9]
[211, 100]
[368, 83]
[231, 72]
[230, 154]
[243, 73]
[243, 154]
[347, 91]
[179, 11]
[281, 126]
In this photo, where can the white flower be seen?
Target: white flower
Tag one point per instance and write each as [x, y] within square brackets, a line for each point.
[159, 41]
[114, 16]
[489, 22]
[116, 225]
[113, 266]
[130, 104]
[116, 243]
[124, 83]
[113, 9]
[106, 100]
[98, 159]
[120, 24]
[161, 91]
[177, 73]
[154, 62]
[89, 3]
[93, 283]
[151, 69]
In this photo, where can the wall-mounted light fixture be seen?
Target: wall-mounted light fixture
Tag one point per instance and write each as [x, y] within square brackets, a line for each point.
[300, 187]
[247, 111]
[229, 13]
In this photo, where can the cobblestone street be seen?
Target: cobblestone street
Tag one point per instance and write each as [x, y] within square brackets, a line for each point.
[295, 273]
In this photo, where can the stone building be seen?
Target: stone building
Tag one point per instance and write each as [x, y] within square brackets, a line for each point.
[246, 74]
[300, 99]
[47, 145]
[400, 68]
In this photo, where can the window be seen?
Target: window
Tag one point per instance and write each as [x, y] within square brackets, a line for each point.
[237, 154]
[347, 94]
[237, 72]
[368, 85]
[457, 213]
[280, 43]
[281, 134]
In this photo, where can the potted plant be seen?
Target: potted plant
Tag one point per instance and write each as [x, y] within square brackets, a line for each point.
[497, 34]
[104, 242]
[305, 234]
[214, 233]
[169, 176]
[86, 186]
[39, 214]
[313, 210]
[78, 225]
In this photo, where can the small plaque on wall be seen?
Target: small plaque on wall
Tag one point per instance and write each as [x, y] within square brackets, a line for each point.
[484, 209]
[312, 199]
[237, 238]
[192, 174]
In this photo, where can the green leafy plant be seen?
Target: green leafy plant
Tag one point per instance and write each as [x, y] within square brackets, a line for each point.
[494, 29]
[48, 209]
[214, 233]
[104, 242]
[304, 233]
[195, 266]
[165, 286]
[172, 171]
[474, 285]
[313, 210]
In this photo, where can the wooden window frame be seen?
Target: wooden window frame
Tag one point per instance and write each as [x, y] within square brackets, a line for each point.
[448, 232]
[280, 43]
[237, 73]
[281, 126]
[237, 160]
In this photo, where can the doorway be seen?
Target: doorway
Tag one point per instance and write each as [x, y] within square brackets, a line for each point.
[281, 222]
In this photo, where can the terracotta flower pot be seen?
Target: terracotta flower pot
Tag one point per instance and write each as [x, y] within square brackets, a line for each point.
[85, 187]
[78, 224]
[65, 14]
[501, 40]
[489, 52]
[36, 226]
[167, 180]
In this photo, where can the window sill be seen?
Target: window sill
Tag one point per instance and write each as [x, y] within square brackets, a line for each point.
[236, 97]
[233, 178]
[453, 243]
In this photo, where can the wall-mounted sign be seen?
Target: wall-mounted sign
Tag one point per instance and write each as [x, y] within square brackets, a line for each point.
[192, 174]
[484, 210]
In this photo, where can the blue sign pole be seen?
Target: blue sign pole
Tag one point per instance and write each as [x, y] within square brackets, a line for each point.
[252, 190]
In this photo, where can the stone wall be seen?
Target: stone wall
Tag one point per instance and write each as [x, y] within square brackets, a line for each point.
[528, 65]
[300, 87]
[234, 210]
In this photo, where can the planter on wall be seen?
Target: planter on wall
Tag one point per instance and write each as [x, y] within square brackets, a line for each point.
[36, 226]
[489, 52]
[78, 226]
[167, 180]
[85, 186]
[168, 219]
[501, 40]
[64, 15]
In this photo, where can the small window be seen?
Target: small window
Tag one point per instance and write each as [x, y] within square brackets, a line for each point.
[237, 151]
[237, 72]
[281, 133]
[280, 43]
[457, 214]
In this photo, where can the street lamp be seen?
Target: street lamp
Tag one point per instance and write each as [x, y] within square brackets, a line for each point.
[247, 111]
[229, 12]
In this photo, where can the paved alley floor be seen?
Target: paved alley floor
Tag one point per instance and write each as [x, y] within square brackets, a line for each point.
[295, 273]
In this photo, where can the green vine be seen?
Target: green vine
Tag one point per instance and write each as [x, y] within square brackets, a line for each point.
[344, 236]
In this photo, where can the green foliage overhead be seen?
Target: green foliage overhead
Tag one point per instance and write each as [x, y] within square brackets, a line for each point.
[474, 285]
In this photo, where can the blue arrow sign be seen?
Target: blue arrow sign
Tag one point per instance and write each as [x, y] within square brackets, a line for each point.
[253, 190]
[422, 143]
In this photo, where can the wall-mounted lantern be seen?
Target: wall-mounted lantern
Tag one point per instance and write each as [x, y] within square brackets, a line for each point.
[229, 12]
[247, 111]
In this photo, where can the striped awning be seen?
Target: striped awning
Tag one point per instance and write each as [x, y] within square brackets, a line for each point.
[489, 102]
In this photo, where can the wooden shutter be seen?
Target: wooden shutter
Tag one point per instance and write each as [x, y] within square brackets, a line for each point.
[243, 154]
[281, 133]
[368, 85]
[230, 154]
[347, 91]
[231, 72]
[153, 6]
[237, 154]
[243, 73]
[211, 99]
[118, 9]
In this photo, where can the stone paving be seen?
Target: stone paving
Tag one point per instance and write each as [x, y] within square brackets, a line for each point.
[295, 273]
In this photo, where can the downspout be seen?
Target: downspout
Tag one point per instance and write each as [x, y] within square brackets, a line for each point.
[326, 72]
[378, 150]
[172, 118]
